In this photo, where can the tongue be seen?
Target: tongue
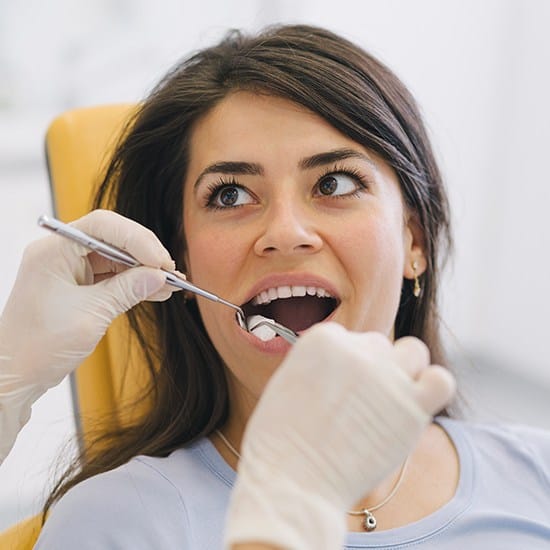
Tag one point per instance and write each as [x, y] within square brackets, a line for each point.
[299, 313]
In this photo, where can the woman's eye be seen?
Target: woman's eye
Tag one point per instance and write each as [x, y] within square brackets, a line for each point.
[229, 196]
[337, 185]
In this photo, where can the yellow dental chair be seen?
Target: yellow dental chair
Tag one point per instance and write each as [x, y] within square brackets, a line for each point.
[78, 143]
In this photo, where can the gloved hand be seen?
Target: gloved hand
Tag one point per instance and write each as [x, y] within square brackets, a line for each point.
[340, 414]
[62, 302]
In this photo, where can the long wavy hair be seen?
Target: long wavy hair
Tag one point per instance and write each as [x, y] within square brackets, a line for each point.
[328, 75]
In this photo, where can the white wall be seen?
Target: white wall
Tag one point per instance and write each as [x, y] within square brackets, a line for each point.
[480, 72]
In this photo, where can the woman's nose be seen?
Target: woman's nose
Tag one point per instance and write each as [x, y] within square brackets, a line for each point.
[288, 229]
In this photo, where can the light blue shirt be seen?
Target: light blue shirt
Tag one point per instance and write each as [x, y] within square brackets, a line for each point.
[179, 502]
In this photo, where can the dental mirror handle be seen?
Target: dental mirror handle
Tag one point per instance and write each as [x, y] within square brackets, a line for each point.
[116, 255]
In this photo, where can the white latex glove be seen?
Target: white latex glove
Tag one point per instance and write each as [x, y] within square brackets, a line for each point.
[62, 302]
[340, 414]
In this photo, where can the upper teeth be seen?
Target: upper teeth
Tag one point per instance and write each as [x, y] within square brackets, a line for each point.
[267, 296]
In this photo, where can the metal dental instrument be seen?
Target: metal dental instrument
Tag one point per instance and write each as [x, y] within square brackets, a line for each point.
[284, 332]
[117, 255]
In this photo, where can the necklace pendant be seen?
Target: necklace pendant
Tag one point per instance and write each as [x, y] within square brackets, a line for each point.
[369, 523]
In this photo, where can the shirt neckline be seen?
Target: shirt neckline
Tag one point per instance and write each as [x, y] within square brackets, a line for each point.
[424, 528]
[214, 461]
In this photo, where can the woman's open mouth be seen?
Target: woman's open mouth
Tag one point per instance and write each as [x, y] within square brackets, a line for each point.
[296, 307]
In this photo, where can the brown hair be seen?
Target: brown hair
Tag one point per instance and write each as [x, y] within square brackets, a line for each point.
[330, 76]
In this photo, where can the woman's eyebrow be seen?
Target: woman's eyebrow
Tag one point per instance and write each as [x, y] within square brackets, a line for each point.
[236, 168]
[331, 157]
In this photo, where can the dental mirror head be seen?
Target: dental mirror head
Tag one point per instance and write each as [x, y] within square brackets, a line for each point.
[266, 329]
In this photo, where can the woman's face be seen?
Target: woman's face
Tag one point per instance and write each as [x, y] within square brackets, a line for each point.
[279, 203]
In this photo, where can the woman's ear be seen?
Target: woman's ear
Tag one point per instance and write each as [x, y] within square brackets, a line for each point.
[415, 262]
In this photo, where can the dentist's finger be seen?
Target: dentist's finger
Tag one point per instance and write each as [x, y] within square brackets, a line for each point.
[412, 355]
[435, 388]
[125, 234]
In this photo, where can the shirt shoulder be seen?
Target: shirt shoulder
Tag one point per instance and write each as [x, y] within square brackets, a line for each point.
[509, 447]
[141, 505]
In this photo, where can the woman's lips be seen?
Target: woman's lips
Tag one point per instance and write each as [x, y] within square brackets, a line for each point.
[274, 346]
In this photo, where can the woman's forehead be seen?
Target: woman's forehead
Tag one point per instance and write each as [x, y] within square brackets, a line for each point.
[269, 128]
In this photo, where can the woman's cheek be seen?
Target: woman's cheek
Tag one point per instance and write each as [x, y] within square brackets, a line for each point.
[207, 258]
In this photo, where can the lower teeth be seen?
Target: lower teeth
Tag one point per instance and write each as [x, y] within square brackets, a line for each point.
[263, 332]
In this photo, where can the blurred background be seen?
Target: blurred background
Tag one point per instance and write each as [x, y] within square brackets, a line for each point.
[480, 70]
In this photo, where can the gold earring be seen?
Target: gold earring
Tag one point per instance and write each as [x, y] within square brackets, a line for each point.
[417, 289]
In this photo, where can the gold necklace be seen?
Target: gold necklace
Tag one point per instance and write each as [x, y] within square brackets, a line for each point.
[369, 521]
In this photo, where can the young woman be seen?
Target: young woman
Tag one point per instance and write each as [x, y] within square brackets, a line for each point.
[291, 174]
